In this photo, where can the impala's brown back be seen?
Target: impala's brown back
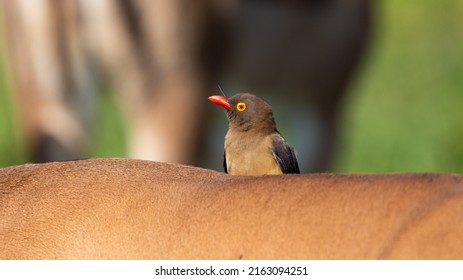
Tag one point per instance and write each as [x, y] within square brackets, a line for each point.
[128, 209]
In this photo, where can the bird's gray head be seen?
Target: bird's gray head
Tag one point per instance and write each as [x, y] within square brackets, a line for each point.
[246, 111]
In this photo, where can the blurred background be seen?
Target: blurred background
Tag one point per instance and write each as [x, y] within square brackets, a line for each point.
[394, 104]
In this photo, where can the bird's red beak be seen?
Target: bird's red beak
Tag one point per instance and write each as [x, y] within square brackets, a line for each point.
[220, 100]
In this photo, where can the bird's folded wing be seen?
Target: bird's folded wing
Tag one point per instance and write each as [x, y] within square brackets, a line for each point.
[284, 154]
[225, 162]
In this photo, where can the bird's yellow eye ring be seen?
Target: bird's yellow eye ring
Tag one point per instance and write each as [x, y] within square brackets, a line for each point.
[241, 106]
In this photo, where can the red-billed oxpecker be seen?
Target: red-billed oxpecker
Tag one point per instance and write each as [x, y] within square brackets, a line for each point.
[253, 145]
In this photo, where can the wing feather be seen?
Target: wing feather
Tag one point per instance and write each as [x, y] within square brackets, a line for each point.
[284, 154]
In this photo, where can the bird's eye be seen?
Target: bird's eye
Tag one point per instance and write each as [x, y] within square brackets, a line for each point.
[241, 106]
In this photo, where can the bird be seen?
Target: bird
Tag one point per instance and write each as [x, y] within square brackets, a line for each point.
[253, 145]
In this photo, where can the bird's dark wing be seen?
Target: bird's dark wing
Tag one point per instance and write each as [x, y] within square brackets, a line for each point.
[225, 162]
[284, 154]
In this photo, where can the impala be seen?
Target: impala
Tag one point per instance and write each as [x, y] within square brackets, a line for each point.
[133, 209]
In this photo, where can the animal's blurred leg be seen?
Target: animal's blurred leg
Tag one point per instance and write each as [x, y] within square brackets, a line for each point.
[155, 55]
[51, 85]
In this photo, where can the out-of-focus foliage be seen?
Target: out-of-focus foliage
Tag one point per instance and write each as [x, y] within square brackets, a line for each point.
[404, 113]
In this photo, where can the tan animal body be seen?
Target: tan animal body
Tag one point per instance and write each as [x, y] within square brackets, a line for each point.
[129, 209]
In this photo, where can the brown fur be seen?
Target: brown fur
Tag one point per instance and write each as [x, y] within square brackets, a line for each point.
[129, 209]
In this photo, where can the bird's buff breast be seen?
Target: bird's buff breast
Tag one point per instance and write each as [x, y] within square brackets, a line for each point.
[250, 157]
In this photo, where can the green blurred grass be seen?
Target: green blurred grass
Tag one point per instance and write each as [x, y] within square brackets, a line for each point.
[109, 136]
[403, 112]
[11, 148]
